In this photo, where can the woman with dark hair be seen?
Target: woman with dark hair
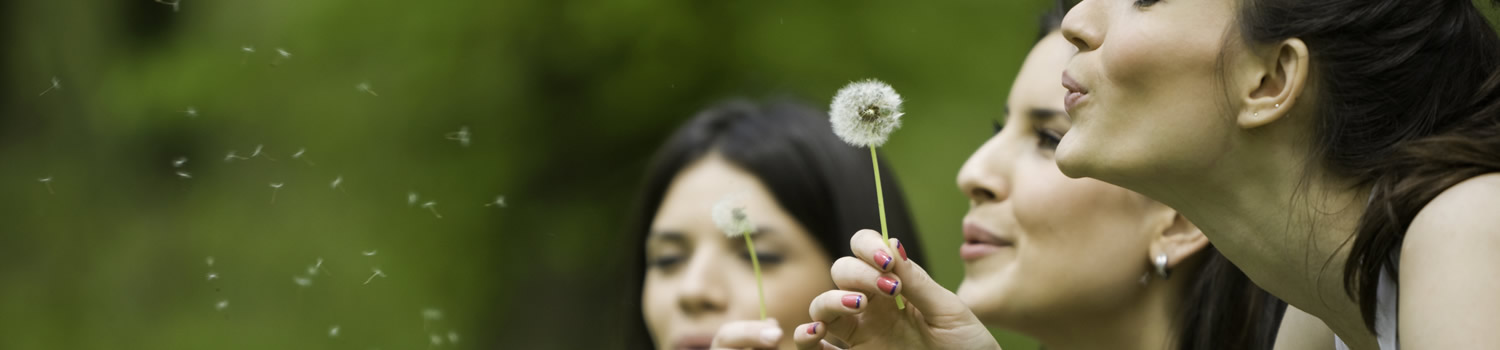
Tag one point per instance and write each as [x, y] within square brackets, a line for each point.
[1344, 153]
[1073, 263]
[804, 190]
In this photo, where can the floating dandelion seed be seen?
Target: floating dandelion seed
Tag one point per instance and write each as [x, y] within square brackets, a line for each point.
[411, 199]
[299, 156]
[177, 163]
[432, 314]
[462, 136]
[275, 187]
[210, 261]
[212, 276]
[221, 305]
[432, 206]
[281, 55]
[336, 182]
[435, 340]
[232, 156]
[315, 267]
[191, 112]
[258, 152]
[184, 174]
[172, 3]
[452, 337]
[333, 332]
[863, 114]
[56, 85]
[732, 219]
[365, 88]
[47, 181]
[377, 273]
[370, 252]
[303, 282]
[247, 49]
[499, 202]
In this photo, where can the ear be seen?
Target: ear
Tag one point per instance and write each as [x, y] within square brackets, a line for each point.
[1179, 240]
[1274, 80]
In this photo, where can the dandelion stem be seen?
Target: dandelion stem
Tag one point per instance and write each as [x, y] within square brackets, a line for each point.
[880, 200]
[760, 288]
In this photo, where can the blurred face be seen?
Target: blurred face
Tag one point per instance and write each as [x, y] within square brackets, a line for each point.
[697, 278]
[1041, 248]
[1148, 103]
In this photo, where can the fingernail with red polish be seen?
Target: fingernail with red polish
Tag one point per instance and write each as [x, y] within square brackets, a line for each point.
[887, 284]
[902, 249]
[852, 300]
[812, 328]
[884, 259]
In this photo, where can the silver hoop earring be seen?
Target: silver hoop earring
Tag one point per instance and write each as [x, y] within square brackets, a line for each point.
[1160, 262]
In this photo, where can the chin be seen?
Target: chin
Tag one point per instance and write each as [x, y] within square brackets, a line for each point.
[984, 297]
[1074, 160]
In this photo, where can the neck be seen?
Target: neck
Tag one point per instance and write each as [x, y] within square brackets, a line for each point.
[1145, 324]
[1288, 232]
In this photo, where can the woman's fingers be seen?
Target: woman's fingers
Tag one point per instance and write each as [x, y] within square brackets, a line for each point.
[921, 290]
[850, 273]
[810, 337]
[765, 334]
[869, 247]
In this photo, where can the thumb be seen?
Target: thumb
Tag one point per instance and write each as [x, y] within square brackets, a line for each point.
[925, 293]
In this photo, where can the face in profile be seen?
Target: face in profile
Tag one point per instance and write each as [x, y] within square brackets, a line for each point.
[1150, 104]
[1041, 248]
[698, 279]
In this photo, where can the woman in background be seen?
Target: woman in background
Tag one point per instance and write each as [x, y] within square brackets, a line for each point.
[803, 188]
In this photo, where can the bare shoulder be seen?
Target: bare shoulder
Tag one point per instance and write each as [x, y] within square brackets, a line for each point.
[1471, 207]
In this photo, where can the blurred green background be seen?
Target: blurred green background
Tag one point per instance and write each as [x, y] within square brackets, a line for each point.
[564, 100]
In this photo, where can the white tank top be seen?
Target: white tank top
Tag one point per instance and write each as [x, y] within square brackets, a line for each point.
[1385, 311]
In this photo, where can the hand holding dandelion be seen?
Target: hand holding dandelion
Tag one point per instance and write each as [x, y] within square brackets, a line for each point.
[864, 113]
[731, 218]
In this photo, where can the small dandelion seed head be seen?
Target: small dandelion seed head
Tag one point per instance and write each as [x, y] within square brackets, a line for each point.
[371, 252]
[221, 305]
[731, 218]
[45, 179]
[191, 111]
[184, 174]
[177, 163]
[333, 332]
[283, 53]
[429, 204]
[452, 337]
[56, 84]
[277, 185]
[212, 276]
[411, 198]
[435, 339]
[865, 112]
[209, 260]
[258, 148]
[302, 281]
[462, 136]
[432, 314]
[247, 49]
[299, 153]
[336, 182]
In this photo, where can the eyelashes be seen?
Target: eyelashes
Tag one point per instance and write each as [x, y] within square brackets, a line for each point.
[1145, 3]
[1046, 139]
[997, 126]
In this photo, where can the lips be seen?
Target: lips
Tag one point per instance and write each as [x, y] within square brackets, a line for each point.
[694, 342]
[980, 242]
[1076, 92]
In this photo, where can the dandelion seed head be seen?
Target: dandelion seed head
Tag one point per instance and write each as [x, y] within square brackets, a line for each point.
[411, 198]
[212, 276]
[56, 84]
[371, 252]
[44, 180]
[303, 282]
[731, 218]
[184, 174]
[499, 202]
[247, 49]
[258, 148]
[435, 339]
[283, 53]
[462, 136]
[177, 163]
[299, 153]
[277, 185]
[429, 204]
[221, 305]
[865, 112]
[209, 260]
[333, 332]
[336, 182]
[191, 112]
[452, 337]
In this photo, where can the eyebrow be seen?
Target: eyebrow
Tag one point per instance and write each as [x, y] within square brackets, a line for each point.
[680, 237]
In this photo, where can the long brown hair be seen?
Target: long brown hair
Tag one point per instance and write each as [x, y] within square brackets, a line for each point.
[1407, 105]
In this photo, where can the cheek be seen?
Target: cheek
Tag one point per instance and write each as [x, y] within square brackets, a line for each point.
[656, 306]
[792, 287]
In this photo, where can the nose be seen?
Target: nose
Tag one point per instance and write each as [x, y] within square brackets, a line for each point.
[985, 177]
[701, 290]
[1083, 27]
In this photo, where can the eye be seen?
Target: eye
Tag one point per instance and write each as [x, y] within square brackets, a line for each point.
[1145, 3]
[664, 262]
[1047, 139]
[766, 259]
